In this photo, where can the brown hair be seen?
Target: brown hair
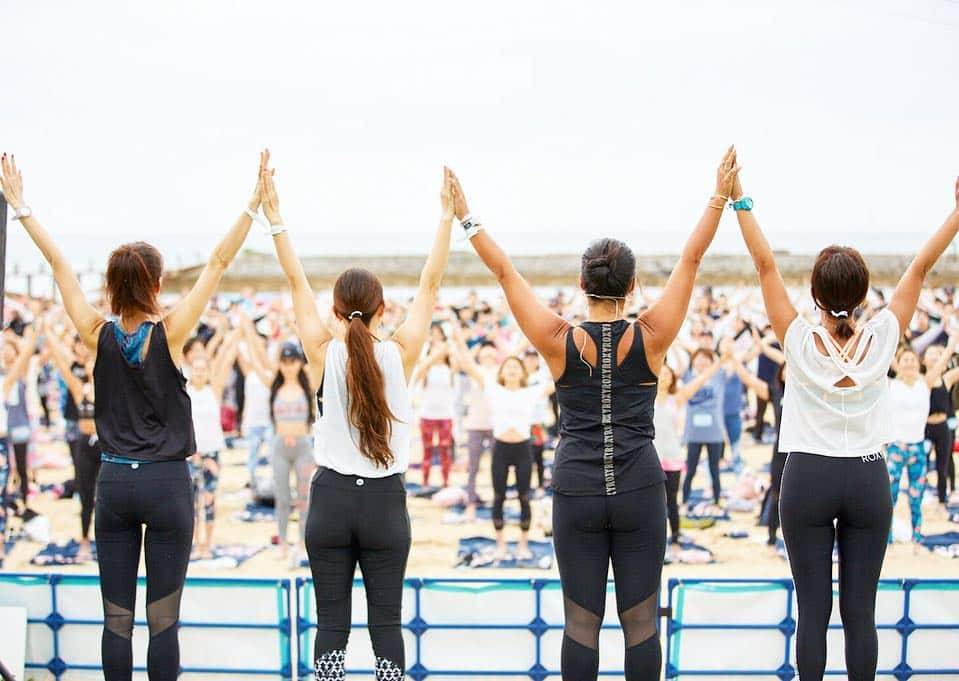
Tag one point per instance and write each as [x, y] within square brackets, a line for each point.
[672, 381]
[840, 282]
[513, 358]
[133, 277]
[357, 296]
[608, 268]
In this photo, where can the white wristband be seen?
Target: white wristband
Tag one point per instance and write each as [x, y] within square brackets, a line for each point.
[277, 229]
[475, 229]
[256, 217]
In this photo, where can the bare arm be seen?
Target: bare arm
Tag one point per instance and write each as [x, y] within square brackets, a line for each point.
[543, 327]
[465, 359]
[779, 306]
[662, 321]
[25, 354]
[935, 373]
[62, 359]
[685, 392]
[752, 382]
[312, 331]
[85, 318]
[906, 295]
[412, 333]
[181, 321]
[223, 363]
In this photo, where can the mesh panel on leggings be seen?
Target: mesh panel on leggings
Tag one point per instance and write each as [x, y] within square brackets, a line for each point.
[582, 625]
[118, 620]
[163, 613]
[639, 621]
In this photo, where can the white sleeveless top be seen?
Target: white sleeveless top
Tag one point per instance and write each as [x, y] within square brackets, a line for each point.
[256, 402]
[669, 446]
[338, 443]
[438, 393]
[910, 409]
[206, 419]
[821, 418]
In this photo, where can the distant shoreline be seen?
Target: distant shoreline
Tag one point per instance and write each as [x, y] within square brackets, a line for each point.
[262, 271]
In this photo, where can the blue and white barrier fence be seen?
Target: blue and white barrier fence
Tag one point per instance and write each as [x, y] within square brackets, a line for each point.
[504, 629]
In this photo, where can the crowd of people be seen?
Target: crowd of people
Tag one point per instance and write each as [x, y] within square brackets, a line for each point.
[618, 382]
[479, 388]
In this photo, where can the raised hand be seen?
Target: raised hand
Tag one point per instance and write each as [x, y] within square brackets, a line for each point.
[459, 199]
[256, 198]
[270, 200]
[957, 193]
[726, 173]
[446, 194]
[11, 181]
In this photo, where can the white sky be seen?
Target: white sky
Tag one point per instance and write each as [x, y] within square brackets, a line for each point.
[565, 120]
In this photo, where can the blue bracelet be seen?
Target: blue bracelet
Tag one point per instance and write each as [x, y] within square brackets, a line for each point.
[744, 203]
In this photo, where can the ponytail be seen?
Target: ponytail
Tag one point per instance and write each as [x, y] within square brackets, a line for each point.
[132, 278]
[369, 411]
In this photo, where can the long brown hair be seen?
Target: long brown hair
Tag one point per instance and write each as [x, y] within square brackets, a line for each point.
[133, 277]
[357, 297]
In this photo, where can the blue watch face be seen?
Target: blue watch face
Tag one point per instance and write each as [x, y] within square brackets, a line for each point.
[744, 203]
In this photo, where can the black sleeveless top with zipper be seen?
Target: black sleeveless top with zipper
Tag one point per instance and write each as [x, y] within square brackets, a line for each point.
[142, 410]
[606, 417]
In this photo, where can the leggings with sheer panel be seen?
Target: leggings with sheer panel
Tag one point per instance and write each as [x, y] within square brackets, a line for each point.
[158, 496]
[827, 500]
[589, 532]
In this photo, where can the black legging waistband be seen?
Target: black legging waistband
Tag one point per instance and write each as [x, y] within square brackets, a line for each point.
[327, 477]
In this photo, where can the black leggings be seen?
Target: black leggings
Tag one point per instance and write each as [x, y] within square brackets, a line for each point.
[20, 457]
[630, 529]
[672, 504]
[517, 455]
[538, 464]
[358, 520]
[854, 493]
[693, 451]
[776, 468]
[160, 496]
[87, 470]
[942, 440]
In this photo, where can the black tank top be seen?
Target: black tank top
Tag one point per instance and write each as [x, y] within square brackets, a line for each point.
[606, 417]
[70, 407]
[143, 411]
[940, 400]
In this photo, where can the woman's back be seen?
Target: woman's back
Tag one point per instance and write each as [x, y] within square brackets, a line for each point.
[606, 416]
[338, 448]
[837, 405]
[143, 410]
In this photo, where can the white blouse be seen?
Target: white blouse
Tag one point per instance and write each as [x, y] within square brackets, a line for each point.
[821, 418]
[910, 409]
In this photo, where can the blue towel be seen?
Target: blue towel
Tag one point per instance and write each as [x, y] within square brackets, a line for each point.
[945, 544]
[229, 555]
[255, 513]
[61, 554]
[414, 489]
[685, 545]
[477, 552]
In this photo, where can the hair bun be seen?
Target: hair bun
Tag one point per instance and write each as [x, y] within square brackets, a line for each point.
[598, 262]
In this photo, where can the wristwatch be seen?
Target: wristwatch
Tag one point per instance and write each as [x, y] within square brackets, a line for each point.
[22, 212]
[744, 203]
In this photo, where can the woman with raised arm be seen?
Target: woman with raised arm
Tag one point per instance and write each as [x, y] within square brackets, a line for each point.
[941, 421]
[357, 511]
[205, 387]
[512, 402]
[772, 393]
[14, 363]
[609, 502]
[87, 461]
[835, 423]
[671, 398]
[145, 430]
